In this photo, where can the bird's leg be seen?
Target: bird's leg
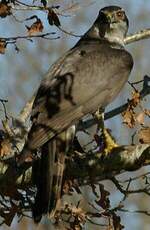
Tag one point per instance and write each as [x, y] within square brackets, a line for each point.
[99, 116]
[108, 141]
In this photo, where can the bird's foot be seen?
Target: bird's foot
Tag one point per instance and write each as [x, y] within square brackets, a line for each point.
[109, 142]
[105, 140]
[99, 116]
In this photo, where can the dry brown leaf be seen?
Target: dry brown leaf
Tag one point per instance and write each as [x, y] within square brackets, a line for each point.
[144, 135]
[35, 28]
[5, 10]
[67, 187]
[136, 98]
[104, 199]
[147, 112]
[140, 118]
[129, 118]
[5, 147]
[2, 46]
[52, 17]
[9, 216]
[117, 222]
[79, 214]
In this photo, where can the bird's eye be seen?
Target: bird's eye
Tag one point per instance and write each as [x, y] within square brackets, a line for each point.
[120, 14]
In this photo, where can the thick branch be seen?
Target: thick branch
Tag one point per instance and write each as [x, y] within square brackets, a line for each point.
[25, 112]
[140, 35]
[122, 158]
[89, 166]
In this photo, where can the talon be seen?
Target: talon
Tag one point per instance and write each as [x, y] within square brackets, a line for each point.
[108, 141]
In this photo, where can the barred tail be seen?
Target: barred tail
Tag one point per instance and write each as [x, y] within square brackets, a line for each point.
[42, 174]
[48, 174]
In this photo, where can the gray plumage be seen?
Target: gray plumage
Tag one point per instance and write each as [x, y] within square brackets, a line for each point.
[87, 77]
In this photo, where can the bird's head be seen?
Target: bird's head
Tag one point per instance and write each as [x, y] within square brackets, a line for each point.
[111, 24]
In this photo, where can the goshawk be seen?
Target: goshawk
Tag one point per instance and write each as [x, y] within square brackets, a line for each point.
[87, 77]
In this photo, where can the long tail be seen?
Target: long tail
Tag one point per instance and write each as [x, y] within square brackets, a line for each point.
[42, 173]
[47, 176]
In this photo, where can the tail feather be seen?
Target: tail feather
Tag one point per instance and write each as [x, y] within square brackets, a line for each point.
[48, 174]
[57, 184]
[43, 179]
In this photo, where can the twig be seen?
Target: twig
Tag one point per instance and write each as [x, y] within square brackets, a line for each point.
[135, 211]
[25, 112]
[126, 191]
[28, 7]
[29, 37]
[69, 33]
[3, 102]
[118, 186]
[135, 178]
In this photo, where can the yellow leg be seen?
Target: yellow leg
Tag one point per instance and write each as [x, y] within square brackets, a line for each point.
[109, 142]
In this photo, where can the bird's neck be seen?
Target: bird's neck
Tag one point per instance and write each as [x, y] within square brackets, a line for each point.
[115, 37]
[112, 36]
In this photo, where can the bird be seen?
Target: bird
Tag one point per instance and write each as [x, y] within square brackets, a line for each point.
[87, 77]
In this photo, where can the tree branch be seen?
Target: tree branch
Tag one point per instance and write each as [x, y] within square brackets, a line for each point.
[122, 158]
[140, 35]
[85, 167]
[29, 37]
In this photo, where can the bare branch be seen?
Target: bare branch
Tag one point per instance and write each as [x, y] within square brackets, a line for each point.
[140, 35]
[29, 37]
[25, 112]
[135, 211]
[3, 102]
[122, 158]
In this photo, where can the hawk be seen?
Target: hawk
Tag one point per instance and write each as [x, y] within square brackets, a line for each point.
[87, 77]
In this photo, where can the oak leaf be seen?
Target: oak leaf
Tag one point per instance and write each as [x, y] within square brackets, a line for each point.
[53, 19]
[44, 2]
[144, 135]
[129, 117]
[5, 10]
[104, 201]
[5, 147]
[140, 118]
[147, 112]
[35, 28]
[2, 46]
[136, 98]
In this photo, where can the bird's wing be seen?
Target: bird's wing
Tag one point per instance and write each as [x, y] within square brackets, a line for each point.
[88, 76]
